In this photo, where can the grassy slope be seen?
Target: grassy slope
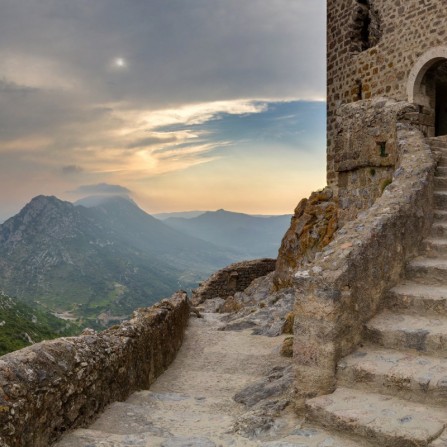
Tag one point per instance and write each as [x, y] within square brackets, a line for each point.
[20, 325]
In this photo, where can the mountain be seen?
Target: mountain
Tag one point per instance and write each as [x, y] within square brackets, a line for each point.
[22, 325]
[102, 260]
[250, 236]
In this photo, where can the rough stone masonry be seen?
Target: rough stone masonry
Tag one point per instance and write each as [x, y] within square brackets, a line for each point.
[386, 93]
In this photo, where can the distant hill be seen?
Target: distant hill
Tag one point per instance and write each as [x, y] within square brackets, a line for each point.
[185, 214]
[105, 259]
[249, 236]
[22, 325]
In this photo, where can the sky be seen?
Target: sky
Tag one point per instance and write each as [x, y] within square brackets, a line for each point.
[182, 104]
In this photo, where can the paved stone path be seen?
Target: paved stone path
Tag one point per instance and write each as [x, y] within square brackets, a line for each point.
[191, 404]
[393, 390]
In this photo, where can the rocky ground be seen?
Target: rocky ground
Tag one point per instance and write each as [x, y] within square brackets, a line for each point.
[257, 308]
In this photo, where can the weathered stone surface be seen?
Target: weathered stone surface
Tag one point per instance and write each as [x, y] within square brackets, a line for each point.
[232, 279]
[389, 421]
[415, 298]
[421, 333]
[287, 347]
[344, 287]
[276, 383]
[407, 375]
[312, 228]
[257, 307]
[52, 387]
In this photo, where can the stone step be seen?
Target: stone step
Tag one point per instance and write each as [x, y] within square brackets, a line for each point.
[314, 437]
[301, 437]
[430, 271]
[441, 171]
[443, 160]
[440, 215]
[95, 438]
[439, 229]
[440, 198]
[406, 375]
[418, 299]
[435, 247]
[389, 421]
[437, 140]
[413, 332]
[440, 182]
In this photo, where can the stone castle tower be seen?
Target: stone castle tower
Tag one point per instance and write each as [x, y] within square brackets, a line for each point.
[380, 48]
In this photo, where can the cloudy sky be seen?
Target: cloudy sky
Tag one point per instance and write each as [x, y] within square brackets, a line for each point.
[184, 104]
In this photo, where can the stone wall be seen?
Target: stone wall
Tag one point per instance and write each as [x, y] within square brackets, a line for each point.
[231, 279]
[54, 386]
[400, 33]
[365, 153]
[343, 288]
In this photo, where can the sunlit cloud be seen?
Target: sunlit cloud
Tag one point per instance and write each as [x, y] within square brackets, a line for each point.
[100, 188]
[200, 113]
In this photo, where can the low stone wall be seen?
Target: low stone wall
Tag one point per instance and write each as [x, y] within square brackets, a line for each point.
[54, 386]
[343, 288]
[234, 278]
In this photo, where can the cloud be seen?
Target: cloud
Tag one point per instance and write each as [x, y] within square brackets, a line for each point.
[101, 188]
[152, 141]
[71, 169]
[200, 113]
[67, 111]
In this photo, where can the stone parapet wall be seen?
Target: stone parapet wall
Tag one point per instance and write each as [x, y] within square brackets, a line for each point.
[343, 288]
[231, 279]
[54, 386]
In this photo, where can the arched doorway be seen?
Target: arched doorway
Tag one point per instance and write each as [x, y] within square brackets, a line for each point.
[427, 87]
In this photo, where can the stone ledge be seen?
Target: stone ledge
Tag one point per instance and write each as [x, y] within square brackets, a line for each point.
[55, 386]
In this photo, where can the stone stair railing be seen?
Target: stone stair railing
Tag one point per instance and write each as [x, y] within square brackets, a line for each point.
[393, 389]
[344, 287]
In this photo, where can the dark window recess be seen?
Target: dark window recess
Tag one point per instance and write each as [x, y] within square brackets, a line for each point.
[382, 148]
[359, 89]
[365, 28]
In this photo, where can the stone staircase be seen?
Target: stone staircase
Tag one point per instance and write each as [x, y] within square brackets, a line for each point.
[393, 390]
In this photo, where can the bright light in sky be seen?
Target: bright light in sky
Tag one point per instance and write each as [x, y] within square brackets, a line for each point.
[188, 105]
[119, 62]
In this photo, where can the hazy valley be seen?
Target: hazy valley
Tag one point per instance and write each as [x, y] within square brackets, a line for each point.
[93, 262]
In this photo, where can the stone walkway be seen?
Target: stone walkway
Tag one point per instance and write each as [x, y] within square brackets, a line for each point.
[192, 405]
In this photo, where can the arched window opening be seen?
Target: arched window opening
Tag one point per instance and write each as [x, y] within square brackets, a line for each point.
[432, 95]
[441, 100]
[365, 28]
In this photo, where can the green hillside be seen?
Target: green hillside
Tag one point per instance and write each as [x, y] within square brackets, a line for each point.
[21, 325]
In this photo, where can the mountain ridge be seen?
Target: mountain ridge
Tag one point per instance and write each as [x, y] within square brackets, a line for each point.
[112, 258]
[251, 236]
